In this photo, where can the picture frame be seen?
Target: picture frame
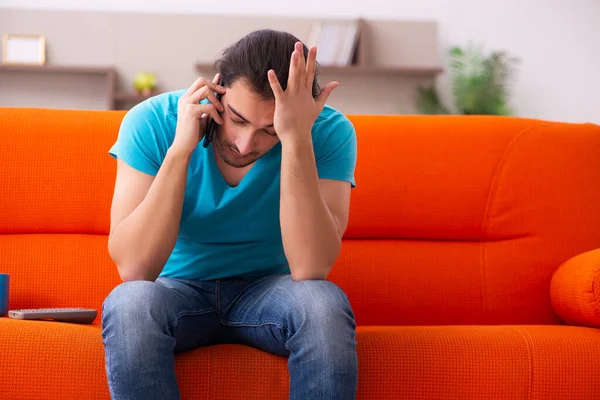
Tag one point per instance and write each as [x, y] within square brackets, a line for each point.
[23, 49]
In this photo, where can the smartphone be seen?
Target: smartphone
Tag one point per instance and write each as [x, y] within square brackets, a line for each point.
[211, 125]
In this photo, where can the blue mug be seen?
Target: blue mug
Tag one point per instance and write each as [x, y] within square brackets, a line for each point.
[4, 278]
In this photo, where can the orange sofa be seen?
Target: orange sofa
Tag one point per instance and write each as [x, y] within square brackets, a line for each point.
[472, 261]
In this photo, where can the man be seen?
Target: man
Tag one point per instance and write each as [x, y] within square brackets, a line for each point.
[231, 243]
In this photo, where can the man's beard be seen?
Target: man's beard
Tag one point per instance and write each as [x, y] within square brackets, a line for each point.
[227, 153]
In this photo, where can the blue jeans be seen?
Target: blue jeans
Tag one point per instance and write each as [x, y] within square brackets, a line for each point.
[144, 324]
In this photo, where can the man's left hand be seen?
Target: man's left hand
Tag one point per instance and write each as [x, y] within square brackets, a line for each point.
[295, 108]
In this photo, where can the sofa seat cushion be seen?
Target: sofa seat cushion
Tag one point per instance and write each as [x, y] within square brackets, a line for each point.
[49, 360]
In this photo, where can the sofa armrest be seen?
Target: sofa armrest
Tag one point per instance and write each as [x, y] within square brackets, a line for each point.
[575, 290]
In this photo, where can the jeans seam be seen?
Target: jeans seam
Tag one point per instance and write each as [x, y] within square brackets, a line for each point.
[253, 325]
[184, 313]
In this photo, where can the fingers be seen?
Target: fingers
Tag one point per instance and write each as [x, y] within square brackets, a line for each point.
[203, 93]
[292, 84]
[275, 85]
[214, 114]
[325, 92]
[299, 47]
[198, 111]
[301, 73]
[203, 82]
[311, 66]
[198, 83]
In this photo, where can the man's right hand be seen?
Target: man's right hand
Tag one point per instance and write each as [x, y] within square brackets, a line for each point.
[192, 116]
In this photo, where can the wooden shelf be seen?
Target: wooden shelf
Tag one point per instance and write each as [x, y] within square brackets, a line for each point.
[359, 69]
[112, 97]
[362, 59]
[71, 69]
[109, 73]
[382, 70]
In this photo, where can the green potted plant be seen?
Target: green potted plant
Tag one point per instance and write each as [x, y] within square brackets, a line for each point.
[480, 84]
[145, 83]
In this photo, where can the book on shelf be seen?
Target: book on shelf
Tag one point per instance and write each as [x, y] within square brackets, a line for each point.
[336, 42]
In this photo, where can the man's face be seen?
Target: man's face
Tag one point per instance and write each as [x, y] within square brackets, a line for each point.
[247, 132]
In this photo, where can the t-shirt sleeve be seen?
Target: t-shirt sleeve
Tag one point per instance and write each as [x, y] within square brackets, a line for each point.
[336, 155]
[139, 142]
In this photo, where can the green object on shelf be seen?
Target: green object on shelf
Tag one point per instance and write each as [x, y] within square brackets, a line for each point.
[480, 84]
[144, 82]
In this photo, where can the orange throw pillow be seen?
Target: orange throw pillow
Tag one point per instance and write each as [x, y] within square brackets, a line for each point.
[575, 290]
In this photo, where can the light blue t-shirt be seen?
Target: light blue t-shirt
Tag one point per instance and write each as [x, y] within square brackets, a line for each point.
[228, 231]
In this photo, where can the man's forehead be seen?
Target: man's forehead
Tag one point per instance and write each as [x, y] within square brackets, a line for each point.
[244, 92]
[256, 112]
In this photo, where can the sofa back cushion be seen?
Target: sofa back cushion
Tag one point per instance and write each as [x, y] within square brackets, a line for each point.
[57, 176]
[465, 219]
[453, 220]
[56, 187]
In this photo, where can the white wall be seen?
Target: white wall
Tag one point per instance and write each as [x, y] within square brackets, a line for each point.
[558, 41]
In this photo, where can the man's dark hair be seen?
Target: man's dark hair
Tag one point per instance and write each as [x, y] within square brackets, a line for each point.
[253, 55]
